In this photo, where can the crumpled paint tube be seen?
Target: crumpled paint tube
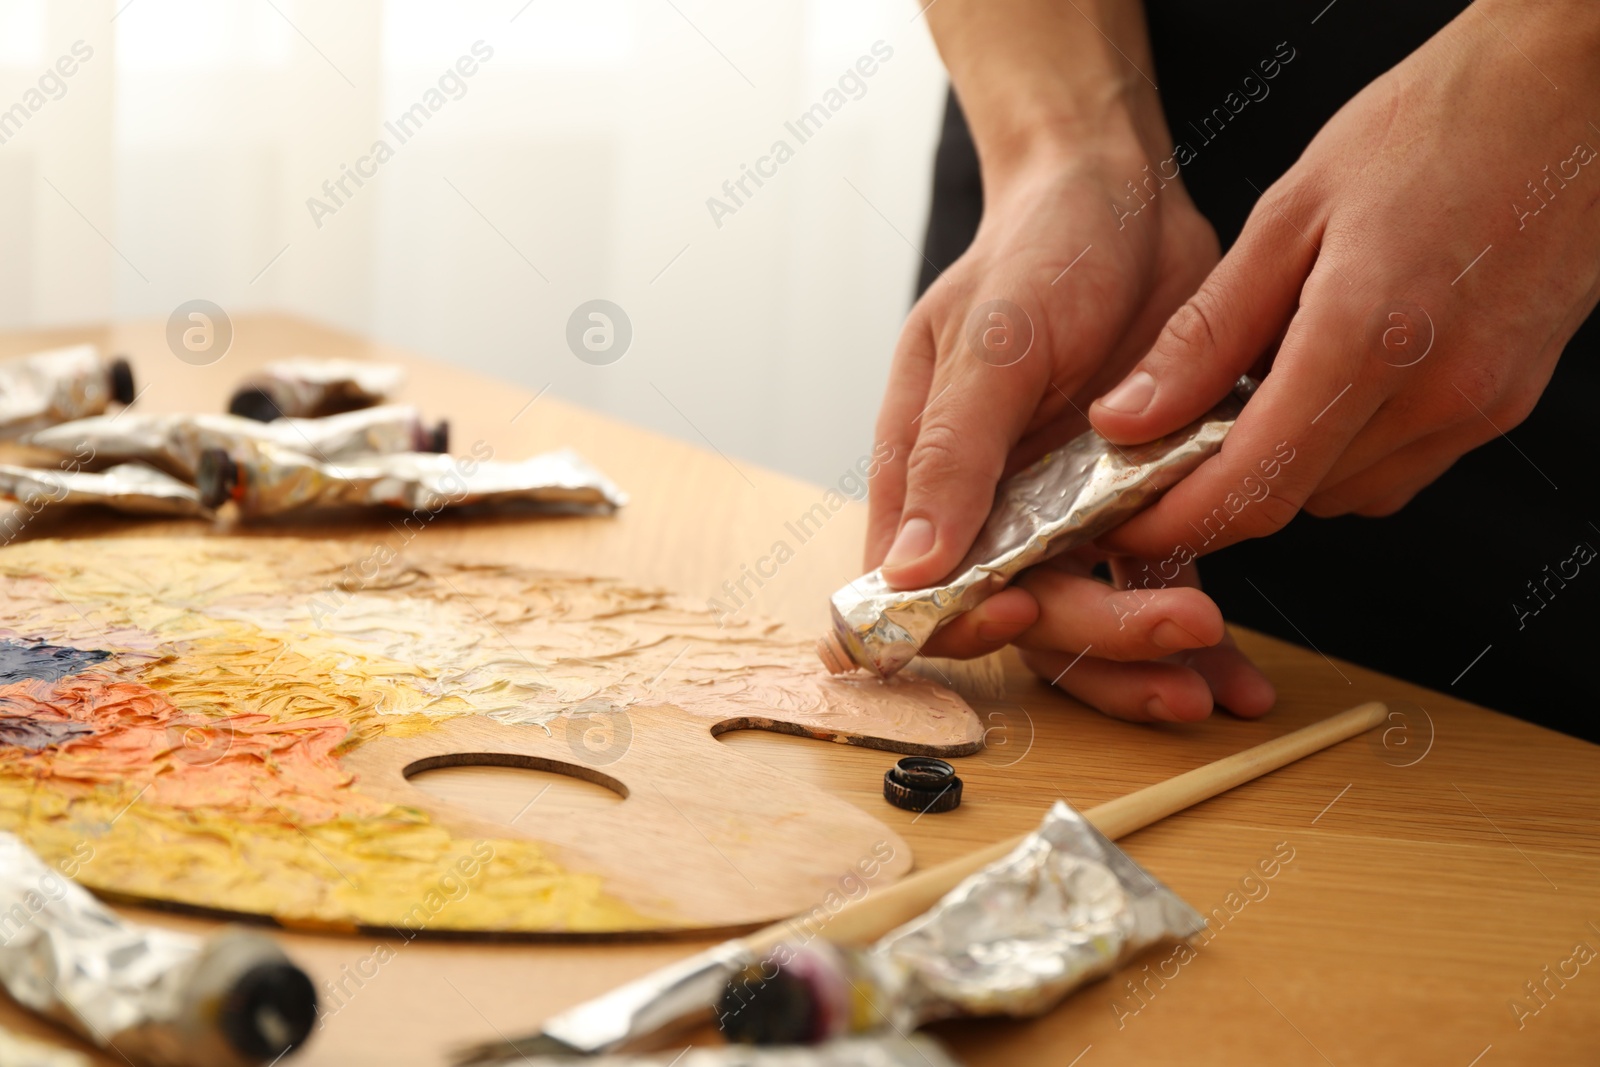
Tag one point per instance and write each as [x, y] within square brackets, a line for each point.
[161, 998]
[267, 480]
[1065, 907]
[305, 387]
[62, 384]
[175, 442]
[876, 1051]
[1073, 495]
[129, 487]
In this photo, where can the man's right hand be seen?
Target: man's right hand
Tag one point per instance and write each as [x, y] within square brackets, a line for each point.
[1082, 255]
[1000, 359]
[1087, 292]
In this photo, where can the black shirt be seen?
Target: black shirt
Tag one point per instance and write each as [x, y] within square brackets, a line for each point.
[1475, 588]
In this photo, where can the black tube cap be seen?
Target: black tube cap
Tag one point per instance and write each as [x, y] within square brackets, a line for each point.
[757, 1010]
[439, 437]
[121, 381]
[216, 476]
[922, 784]
[269, 1010]
[254, 403]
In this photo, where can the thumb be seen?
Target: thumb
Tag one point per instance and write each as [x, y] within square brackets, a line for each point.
[1217, 335]
[950, 481]
[962, 445]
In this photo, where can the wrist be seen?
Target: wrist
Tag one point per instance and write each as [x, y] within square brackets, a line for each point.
[1049, 85]
[1027, 143]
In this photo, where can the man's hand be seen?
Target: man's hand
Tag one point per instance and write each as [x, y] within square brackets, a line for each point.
[1088, 243]
[1418, 272]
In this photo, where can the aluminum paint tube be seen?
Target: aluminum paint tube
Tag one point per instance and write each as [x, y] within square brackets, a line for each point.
[176, 442]
[62, 384]
[1065, 907]
[130, 487]
[266, 480]
[876, 1051]
[157, 997]
[1073, 495]
[305, 388]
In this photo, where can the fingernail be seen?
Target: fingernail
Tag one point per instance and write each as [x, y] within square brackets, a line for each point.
[911, 543]
[1170, 637]
[1157, 708]
[1133, 395]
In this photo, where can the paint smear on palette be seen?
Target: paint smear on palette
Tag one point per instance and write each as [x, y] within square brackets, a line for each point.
[184, 708]
[49, 662]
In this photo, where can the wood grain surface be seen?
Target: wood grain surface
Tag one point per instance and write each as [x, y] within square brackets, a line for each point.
[1421, 896]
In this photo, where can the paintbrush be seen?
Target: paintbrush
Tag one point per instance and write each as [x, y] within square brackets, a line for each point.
[682, 992]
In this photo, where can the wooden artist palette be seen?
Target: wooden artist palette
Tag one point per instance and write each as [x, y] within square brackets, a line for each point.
[230, 724]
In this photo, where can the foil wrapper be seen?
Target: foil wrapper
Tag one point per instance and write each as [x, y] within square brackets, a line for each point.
[647, 1005]
[1068, 498]
[305, 387]
[1065, 907]
[157, 996]
[267, 480]
[175, 442]
[128, 487]
[45, 388]
[893, 1051]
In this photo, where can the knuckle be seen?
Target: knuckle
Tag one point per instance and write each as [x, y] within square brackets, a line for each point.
[1192, 330]
[1275, 512]
[938, 454]
[1284, 204]
[1493, 395]
[1326, 506]
[1517, 403]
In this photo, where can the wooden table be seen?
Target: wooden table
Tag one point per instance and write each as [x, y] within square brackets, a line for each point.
[1431, 879]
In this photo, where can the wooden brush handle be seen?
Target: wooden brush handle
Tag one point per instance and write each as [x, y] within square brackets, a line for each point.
[884, 909]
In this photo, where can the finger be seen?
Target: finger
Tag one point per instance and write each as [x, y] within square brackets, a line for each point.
[1400, 423]
[1220, 331]
[1137, 692]
[987, 628]
[910, 374]
[1388, 485]
[979, 412]
[1081, 614]
[1236, 683]
[1289, 435]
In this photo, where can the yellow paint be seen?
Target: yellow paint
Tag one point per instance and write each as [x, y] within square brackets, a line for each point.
[246, 674]
[213, 777]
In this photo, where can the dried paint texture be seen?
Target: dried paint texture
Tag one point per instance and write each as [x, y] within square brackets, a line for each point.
[19, 660]
[183, 707]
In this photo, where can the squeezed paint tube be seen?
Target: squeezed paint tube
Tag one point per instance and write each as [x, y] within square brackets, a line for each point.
[891, 1051]
[157, 997]
[305, 387]
[266, 480]
[45, 388]
[129, 487]
[1068, 498]
[1064, 908]
[176, 442]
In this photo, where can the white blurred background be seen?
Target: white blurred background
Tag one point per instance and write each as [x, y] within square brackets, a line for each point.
[177, 160]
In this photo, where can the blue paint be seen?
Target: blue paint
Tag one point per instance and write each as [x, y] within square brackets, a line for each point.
[21, 662]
